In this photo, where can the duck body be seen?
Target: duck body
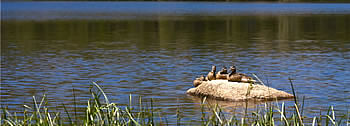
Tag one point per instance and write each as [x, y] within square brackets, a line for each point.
[240, 77]
[220, 76]
[236, 77]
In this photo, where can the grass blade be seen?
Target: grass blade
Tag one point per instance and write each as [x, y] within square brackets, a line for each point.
[103, 93]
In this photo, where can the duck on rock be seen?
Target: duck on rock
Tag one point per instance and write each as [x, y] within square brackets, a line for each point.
[238, 77]
[211, 75]
[222, 75]
[198, 81]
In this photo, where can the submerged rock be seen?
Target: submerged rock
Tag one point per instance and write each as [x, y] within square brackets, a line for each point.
[235, 91]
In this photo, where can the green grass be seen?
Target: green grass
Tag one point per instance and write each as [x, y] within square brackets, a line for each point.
[100, 111]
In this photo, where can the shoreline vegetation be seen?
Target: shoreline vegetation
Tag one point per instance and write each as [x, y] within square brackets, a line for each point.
[100, 111]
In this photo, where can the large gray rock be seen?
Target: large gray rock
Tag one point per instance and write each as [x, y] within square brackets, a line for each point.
[235, 91]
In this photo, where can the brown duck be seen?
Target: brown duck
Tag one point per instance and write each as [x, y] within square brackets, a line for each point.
[234, 76]
[238, 77]
[211, 75]
[222, 75]
[198, 81]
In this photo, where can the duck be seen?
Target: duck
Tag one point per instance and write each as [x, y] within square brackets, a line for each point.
[239, 77]
[222, 74]
[211, 75]
[198, 81]
[234, 76]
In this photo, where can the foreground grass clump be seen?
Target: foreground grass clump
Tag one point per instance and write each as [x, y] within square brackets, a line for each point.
[99, 112]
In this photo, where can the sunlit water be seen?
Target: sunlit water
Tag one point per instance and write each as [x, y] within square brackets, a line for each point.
[155, 50]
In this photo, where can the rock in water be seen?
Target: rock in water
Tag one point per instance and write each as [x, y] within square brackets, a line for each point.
[235, 91]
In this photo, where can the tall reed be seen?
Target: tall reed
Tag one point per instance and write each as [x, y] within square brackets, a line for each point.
[100, 111]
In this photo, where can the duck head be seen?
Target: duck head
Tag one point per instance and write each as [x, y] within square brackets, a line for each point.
[213, 68]
[202, 78]
[233, 69]
[224, 69]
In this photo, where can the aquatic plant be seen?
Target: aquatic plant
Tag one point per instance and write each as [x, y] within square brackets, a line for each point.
[100, 111]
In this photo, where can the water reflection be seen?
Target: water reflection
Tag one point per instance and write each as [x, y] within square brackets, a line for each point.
[158, 58]
[228, 106]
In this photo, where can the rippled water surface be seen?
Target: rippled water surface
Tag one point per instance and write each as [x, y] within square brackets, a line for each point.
[155, 50]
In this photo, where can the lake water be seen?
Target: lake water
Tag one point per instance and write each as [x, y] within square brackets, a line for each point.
[155, 50]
